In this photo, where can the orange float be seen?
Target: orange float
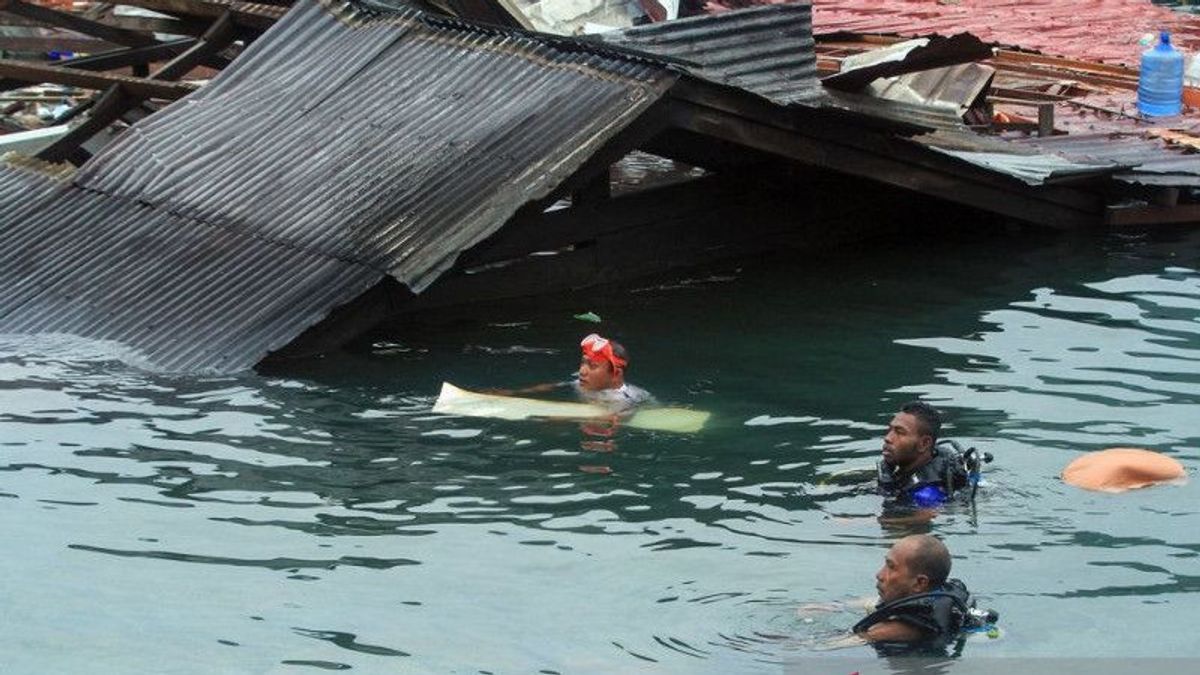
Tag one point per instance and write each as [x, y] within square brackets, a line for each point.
[1121, 469]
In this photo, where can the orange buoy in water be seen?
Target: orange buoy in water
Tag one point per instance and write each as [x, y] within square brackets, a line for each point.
[1120, 469]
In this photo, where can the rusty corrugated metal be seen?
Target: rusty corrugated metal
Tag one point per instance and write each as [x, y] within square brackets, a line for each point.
[765, 50]
[1106, 31]
[1152, 160]
[342, 146]
[1105, 136]
[923, 54]
[1035, 169]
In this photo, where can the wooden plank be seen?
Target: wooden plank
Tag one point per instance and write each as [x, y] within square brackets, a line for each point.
[453, 400]
[41, 45]
[111, 105]
[216, 38]
[149, 24]
[878, 156]
[124, 58]
[137, 87]
[141, 24]
[1152, 215]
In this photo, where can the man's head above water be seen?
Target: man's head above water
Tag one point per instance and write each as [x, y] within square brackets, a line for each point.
[911, 435]
[602, 364]
[916, 564]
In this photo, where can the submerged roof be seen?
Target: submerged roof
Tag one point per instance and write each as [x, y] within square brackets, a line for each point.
[405, 149]
[218, 229]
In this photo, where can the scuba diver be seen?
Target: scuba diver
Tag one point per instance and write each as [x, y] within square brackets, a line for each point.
[916, 469]
[920, 608]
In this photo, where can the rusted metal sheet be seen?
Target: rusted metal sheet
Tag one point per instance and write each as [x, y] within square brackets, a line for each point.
[1032, 169]
[765, 50]
[1106, 31]
[922, 54]
[1152, 161]
[1093, 103]
[221, 227]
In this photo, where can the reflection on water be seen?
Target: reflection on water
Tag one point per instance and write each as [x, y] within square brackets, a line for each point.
[321, 518]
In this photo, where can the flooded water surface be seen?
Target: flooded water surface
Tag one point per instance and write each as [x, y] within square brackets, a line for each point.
[319, 517]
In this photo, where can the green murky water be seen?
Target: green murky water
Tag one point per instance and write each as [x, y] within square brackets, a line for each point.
[320, 518]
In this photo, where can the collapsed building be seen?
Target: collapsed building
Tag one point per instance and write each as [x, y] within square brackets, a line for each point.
[347, 164]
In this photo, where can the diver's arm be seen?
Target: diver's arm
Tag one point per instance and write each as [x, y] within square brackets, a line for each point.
[893, 631]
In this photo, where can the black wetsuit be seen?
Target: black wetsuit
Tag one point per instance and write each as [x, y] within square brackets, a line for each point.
[940, 615]
[945, 471]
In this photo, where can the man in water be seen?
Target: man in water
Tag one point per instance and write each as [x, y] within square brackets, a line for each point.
[601, 376]
[918, 603]
[913, 469]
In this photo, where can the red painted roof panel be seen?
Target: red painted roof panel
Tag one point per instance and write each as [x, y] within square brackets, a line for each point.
[1105, 31]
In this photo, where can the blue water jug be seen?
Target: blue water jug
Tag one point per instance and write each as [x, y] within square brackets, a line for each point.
[1160, 84]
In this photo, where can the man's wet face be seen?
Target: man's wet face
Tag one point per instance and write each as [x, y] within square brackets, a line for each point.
[903, 444]
[895, 579]
[596, 375]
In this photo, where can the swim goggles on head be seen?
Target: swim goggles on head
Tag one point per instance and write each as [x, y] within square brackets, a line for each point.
[596, 348]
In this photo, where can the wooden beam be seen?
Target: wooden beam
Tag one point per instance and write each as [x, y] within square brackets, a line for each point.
[70, 43]
[216, 38]
[136, 87]
[147, 24]
[78, 24]
[124, 58]
[1152, 215]
[141, 24]
[115, 59]
[110, 106]
[816, 140]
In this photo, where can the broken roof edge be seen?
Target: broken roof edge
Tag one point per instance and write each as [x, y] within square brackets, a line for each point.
[910, 56]
[1032, 169]
[357, 13]
[765, 51]
[542, 179]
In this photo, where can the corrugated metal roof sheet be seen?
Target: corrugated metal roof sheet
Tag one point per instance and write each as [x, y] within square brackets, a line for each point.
[416, 142]
[927, 117]
[901, 58]
[183, 294]
[765, 50]
[1154, 161]
[341, 146]
[23, 189]
[1096, 31]
[1030, 169]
